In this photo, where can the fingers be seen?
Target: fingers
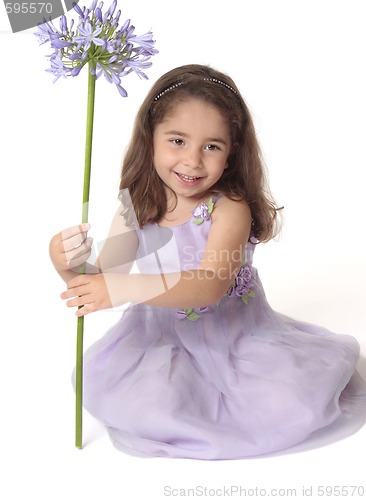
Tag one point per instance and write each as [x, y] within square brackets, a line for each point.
[79, 295]
[76, 245]
[77, 286]
[73, 293]
[82, 304]
[74, 236]
[82, 311]
[79, 301]
[70, 232]
[76, 295]
[71, 247]
[76, 256]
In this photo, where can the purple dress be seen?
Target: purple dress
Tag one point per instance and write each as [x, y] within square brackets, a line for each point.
[233, 380]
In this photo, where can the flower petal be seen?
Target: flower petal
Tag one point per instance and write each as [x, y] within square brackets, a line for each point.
[122, 91]
[77, 9]
[76, 71]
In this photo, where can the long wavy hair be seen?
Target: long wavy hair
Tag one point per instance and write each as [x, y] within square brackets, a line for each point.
[244, 179]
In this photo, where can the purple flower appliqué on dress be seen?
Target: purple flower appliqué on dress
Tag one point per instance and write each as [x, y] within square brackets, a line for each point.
[243, 284]
[203, 212]
[191, 314]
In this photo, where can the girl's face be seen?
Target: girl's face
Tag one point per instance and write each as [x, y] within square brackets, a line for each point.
[191, 148]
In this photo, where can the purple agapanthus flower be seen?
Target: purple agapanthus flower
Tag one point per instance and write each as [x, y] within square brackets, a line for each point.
[88, 36]
[95, 38]
[57, 68]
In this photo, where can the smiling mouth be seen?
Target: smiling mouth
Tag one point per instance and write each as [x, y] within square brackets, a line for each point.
[187, 178]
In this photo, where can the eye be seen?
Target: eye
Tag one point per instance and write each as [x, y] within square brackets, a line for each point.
[177, 142]
[212, 147]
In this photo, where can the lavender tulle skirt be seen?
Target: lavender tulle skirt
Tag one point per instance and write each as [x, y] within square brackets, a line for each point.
[241, 381]
[233, 380]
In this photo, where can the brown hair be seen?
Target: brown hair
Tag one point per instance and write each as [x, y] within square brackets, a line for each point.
[244, 179]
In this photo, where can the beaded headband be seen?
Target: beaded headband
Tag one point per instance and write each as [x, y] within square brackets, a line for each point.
[178, 84]
[168, 90]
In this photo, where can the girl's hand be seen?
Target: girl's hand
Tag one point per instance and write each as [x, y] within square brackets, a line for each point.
[71, 247]
[92, 292]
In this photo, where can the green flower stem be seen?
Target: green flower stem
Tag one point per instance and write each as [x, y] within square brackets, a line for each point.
[85, 211]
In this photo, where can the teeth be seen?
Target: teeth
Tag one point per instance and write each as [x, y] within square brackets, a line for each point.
[188, 179]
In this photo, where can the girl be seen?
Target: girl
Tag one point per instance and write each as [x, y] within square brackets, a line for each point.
[199, 366]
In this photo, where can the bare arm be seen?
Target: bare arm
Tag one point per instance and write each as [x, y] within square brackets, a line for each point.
[222, 259]
[220, 263]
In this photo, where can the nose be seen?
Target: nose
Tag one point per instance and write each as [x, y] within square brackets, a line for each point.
[193, 158]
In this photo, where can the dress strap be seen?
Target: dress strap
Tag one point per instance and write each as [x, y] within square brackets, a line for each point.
[216, 196]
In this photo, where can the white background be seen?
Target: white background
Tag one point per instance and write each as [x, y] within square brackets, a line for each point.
[301, 68]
